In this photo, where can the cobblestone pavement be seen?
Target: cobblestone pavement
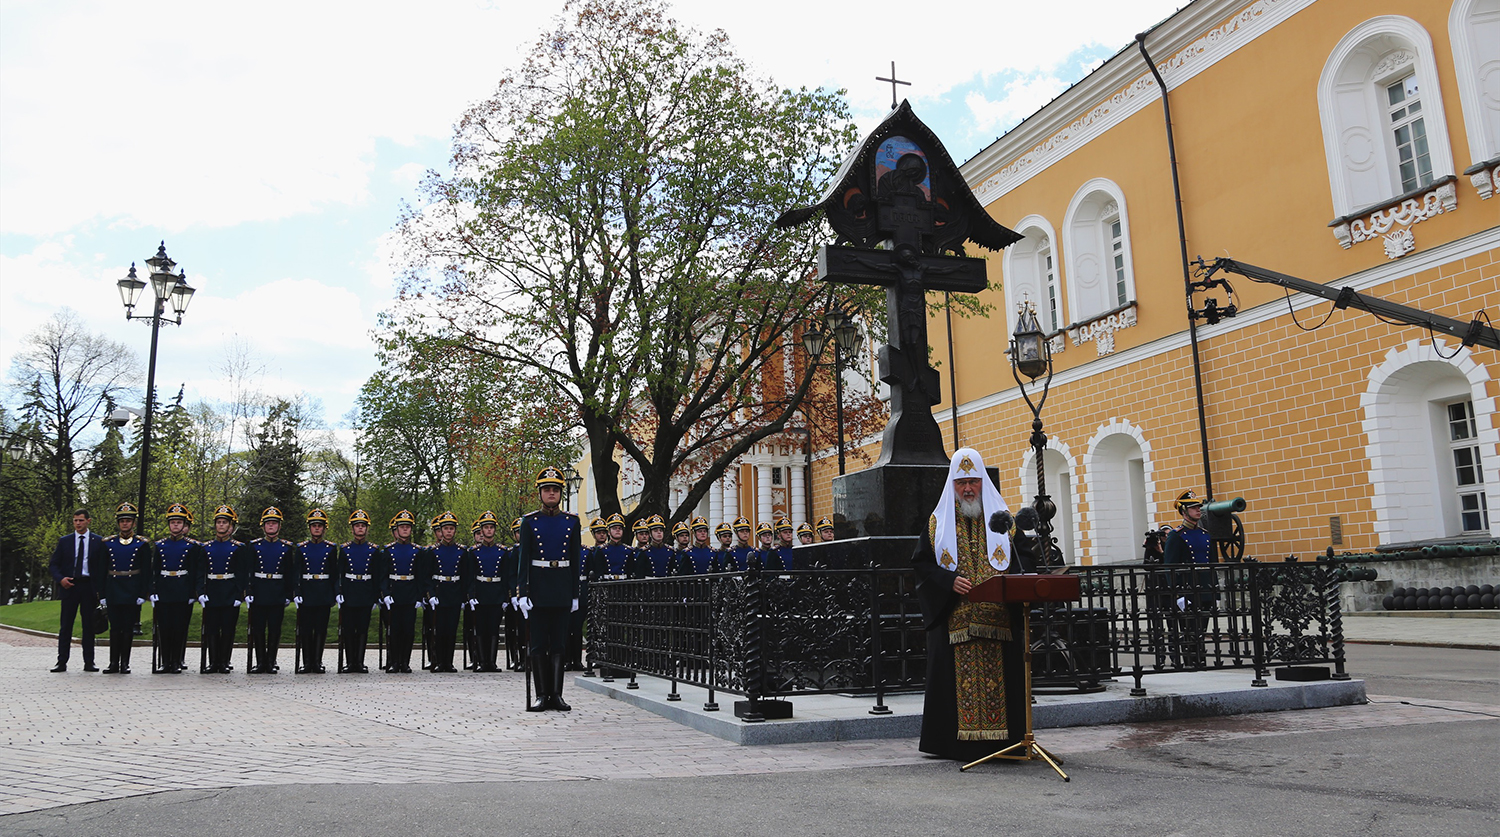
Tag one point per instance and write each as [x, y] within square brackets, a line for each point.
[77, 737]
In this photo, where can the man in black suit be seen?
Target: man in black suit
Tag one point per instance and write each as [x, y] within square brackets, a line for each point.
[77, 562]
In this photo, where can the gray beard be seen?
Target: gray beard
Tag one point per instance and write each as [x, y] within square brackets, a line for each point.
[974, 510]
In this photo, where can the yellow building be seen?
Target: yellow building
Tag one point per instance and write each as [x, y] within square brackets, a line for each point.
[1352, 144]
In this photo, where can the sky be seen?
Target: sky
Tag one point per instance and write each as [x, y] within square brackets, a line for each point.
[271, 145]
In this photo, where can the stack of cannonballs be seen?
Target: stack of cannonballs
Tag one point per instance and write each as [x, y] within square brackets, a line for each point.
[1472, 597]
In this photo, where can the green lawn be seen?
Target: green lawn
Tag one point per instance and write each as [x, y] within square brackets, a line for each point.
[44, 616]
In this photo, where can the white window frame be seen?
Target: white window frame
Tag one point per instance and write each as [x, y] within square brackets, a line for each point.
[1353, 110]
[1476, 489]
[1025, 273]
[1475, 37]
[1087, 236]
[1414, 120]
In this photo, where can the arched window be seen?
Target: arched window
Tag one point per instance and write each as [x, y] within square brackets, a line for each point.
[1118, 464]
[1096, 249]
[1031, 274]
[1382, 112]
[1474, 29]
[1060, 468]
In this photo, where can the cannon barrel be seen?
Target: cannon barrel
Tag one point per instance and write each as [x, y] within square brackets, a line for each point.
[1224, 508]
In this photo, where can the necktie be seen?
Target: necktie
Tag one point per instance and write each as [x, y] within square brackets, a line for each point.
[78, 553]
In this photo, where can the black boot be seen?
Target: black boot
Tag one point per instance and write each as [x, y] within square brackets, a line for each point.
[542, 682]
[557, 671]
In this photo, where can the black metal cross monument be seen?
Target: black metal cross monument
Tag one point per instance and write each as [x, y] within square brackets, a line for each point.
[902, 212]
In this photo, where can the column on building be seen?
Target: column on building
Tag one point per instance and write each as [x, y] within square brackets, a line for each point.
[798, 487]
[731, 500]
[762, 494]
[716, 503]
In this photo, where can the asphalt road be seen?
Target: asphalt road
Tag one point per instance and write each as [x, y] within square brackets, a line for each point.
[1419, 779]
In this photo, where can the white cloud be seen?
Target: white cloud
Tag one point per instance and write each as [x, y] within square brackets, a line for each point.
[1023, 97]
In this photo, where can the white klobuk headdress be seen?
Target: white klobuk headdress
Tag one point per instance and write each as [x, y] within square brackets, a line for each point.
[968, 463]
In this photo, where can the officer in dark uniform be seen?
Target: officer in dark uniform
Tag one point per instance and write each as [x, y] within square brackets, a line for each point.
[743, 548]
[658, 554]
[642, 532]
[176, 569]
[724, 556]
[489, 595]
[616, 559]
[273, 577]
[316, 585]
[468, 626]
[515, 623]
[765, 552]
[447, 591]
[226, 572]
[698, 558]
[805, 534]
[1195, 589]
[401, 591]
[682, 535]
[784, 542]
[126, 586]
[825, 529]
[360, 568]
[578, 621]
[550, 555]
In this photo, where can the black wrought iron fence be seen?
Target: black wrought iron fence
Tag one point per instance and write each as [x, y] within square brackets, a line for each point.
[859, 631]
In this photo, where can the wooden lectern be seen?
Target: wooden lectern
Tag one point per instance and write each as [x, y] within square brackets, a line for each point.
[1025, 589]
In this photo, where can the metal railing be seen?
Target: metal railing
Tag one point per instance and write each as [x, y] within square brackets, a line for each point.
[859, 631]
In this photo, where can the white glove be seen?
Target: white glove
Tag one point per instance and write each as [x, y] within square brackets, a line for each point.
[388, 601]
[339, 598]
[203, 600]
[297, 599]
[296, 605]
[153, 598]
[421, 604]
[515, 602]
[236, 602]
[1182, 603]
[142, 601]
[524, 603]
[249, 600]
[433, 601]
[575, 606]
[473, 603]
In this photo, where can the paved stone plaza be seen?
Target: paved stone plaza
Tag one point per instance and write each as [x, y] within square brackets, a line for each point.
[77, 737]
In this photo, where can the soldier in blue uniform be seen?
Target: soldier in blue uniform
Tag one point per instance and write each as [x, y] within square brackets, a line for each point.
[489, 594]
[176, 567]
[126, 586]
[658, 554]
[724, 556]
[1195, 589]
[765, 551]
[401, 591]
[784, 542]
[642, 533]
[825, 529]
[316, 585]
[550, 556]
[744, 550]
[616, 560]
[682, 535]
[269, 590]
[226, 571]
[515, 623]
[578, 621]
[698, 558]
[447, 591]
[360, 569]
[804, 533]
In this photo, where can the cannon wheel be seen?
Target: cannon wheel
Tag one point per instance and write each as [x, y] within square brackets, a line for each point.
[1233, 550]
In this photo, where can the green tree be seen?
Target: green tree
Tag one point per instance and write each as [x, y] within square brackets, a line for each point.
[276, 461]
[608, 225]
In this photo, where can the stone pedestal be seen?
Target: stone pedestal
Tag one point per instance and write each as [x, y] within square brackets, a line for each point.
[888, 499]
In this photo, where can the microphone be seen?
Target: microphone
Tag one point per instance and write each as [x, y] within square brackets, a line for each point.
[1001, 522]
[1027, 519]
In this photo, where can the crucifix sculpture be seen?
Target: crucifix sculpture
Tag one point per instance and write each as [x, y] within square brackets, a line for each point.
[902, 213]
[894, 81]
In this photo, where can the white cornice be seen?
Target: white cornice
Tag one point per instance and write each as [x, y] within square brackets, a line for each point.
[1194, 38]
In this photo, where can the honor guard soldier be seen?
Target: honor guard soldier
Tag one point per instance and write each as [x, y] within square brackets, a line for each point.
[724, 557]
[488, 593]
[550, 549]
[177, 566]
[765, 551]
[1196, 590]
[468, 626]
[658, 554]
[805, 533]
[402, 592]
[515, 623]
[616, 560]
[682, 535]
[784, 542]
[269, 591]
[226, 571]
[360, 568]
[825, 529]
[125, 587]
[698, 558]
[642, 532]
[447, 591]
[578, 620]
[316, 585]
[743, 548]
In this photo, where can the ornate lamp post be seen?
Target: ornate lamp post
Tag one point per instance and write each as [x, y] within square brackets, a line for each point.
[574, 481]
[1031, 355]
[165, 287]
[845, 338]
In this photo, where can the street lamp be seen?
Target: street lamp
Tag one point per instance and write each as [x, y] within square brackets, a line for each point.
[165, 288]
[574, 481]
[1031, 355]
[840, 326]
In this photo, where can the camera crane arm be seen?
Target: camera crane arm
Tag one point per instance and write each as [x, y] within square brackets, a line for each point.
[1477, 332]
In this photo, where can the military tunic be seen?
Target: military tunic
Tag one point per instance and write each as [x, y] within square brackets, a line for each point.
[659, 560]
[360, 569]
[697, 560]
[550, 555]
[226, 573]
[404, 588]
[127, 583]
[176, 575]
[316, 584]
[489, 587]
[447, 582]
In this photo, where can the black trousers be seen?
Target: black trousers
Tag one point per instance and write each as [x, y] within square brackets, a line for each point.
[122, 619]
[487, 635]
[312, 621]
[444, 636]
[402, 620]
[171, 632]
[515, 631]
[265, 632]
[80, 596]
[549, 630]
[354, 634]
[219, 623]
